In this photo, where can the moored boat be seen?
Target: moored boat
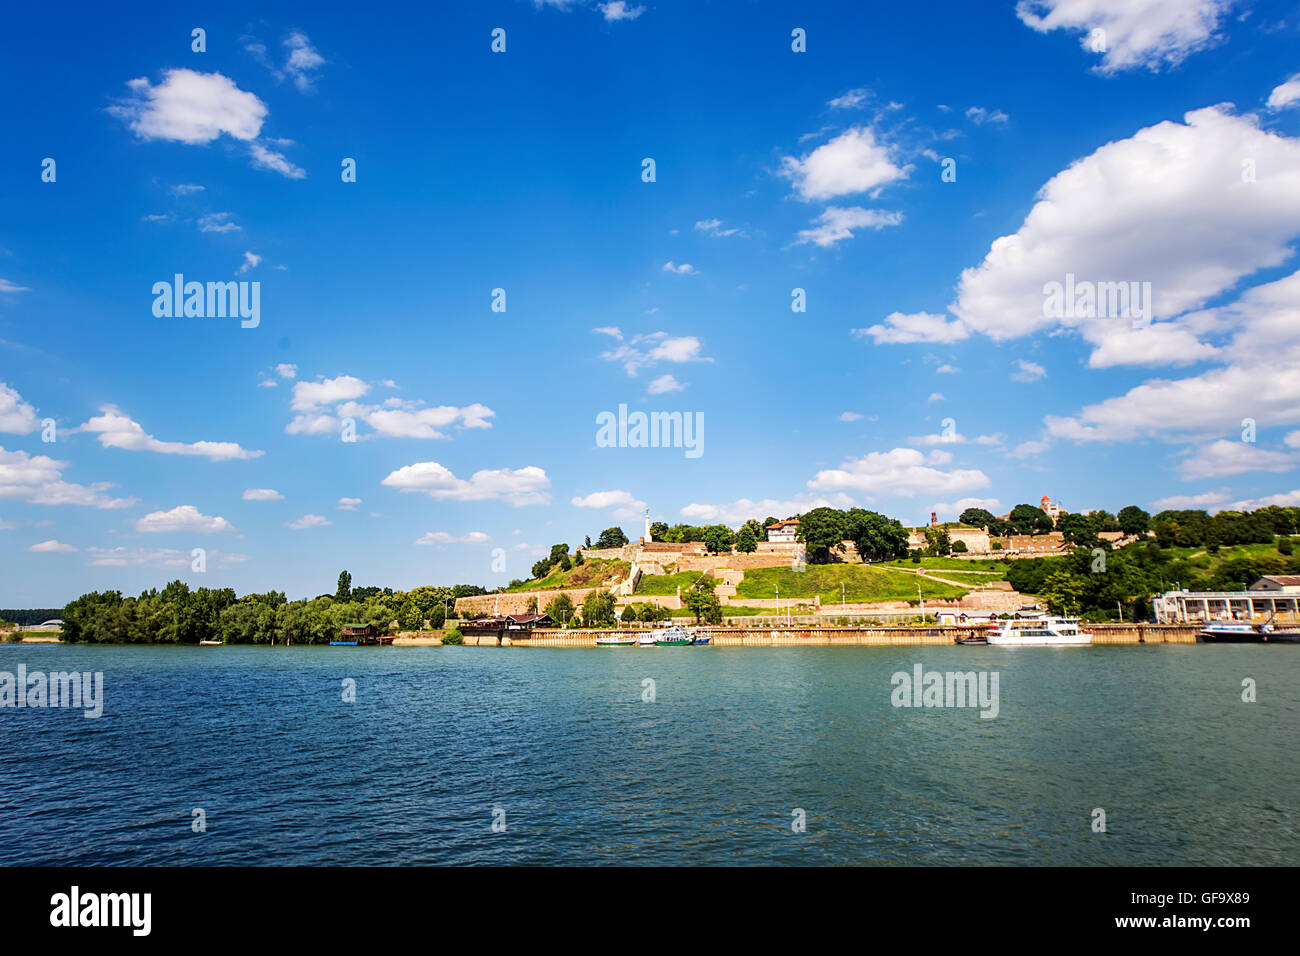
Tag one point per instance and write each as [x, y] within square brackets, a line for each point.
[1038, 631]
[1230, 632]
[616, 640]
[672, 637]
[700, 640]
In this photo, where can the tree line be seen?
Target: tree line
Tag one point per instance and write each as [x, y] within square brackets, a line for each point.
[179, 615]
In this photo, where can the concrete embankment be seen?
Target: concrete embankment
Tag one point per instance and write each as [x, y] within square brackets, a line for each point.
[866, 636]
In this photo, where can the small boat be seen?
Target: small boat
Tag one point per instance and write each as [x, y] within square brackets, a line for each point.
[210, 643]
[672, 637]
[700, 640]
[646, 640]
[1038, 631]
[972, 639]
[616, 640]
[343, 643]
[1230, 632]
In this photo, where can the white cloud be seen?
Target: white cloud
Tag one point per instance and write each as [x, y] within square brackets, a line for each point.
[902, 328]
[1285, 95]
[685, 269]
[935, 397]
[1210, 501]
[956, 438]
[739, 511]
[251, 261]
[286, 370]
[121, 557]
[850, 416]
[276, 161]
[262, 494]
[1028, 371]
[348, 504]
[520, 486]
[713, 227]
[7, 286]
[655, 347]
[853, 162]
[308, 521]
[1030, 449]
[408, 420]
[190, 107]
[327, 391]
[623, 504]
[16, 416]
[443, 537]
[1292, 439]
[116, 430]
[663, 384]
[52, 546]
[979, 116]
[620, 10]
[186, 189]
[38, 480]
[850, 100]
[303, 61]
[1285, 499]
[1138, 33]
[837, 223]
[1222, 458]
[183, 518]
[901, 471]
[613, 331]
[946, 370]
[218, 222]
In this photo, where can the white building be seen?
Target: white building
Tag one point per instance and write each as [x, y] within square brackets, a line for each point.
[783, 531]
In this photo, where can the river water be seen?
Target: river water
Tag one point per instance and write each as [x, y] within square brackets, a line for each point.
[729, 755]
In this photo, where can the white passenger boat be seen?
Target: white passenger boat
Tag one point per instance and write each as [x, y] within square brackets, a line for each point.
[1042, 631]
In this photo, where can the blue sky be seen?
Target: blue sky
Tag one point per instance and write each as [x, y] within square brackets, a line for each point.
[1170, 155]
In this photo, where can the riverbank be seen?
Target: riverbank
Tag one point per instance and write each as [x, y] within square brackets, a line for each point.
[840, 636]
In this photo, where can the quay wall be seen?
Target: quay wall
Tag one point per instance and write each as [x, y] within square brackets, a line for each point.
[870, 636]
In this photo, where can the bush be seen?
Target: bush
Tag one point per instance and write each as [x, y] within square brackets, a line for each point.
[959, 547]
[454, 636]
[14, 636]
[1284, 546]
[997, 545]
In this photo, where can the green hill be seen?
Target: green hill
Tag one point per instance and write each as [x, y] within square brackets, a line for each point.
[862, 583]
[592, 573]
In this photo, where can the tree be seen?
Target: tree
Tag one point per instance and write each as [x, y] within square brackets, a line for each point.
[344, 590]
[959, 547]
[598, 609]
[937, 542]
[532, 605]
[746, 543]
[586, 541]
[876, 537]
[541, 569]
[578, 559]
[701, 599]
[1284, 546]
[611, 538]
[559, 552]
[821, 531]
[628, 615]
[978, 518]
[1133, 520]
[1063, 592]
[657, 530]
[409, 617]
[718, 538]
[561, 608]
[1029, 519]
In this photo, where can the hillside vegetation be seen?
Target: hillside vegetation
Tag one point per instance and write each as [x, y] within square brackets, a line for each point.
[594, 572]
[862, 583]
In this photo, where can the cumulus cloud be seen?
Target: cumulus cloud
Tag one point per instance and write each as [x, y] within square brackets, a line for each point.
[902, 471]
[950, 512]
[850, 100]
[837, 223]
[443, 537]
[519, 486]
[38, 480]
[1137, 33]
[853, 162]
[1168, 206]
[190, 107]
[620, 10]
[649, 350]
[901, 328]
[16, 416]
[308, 521]
[979, 116]
[266, 158]
[251, 261]
[393, 418]
[348, 504]
[1210, 501]
[1222, 458]
[123, 557]
[183, 518]
[262, 494]
[1028, 371]
[116, 430]
[664, 384]
[1285, 95]
[52, 547]
[622, 503]
[685, 269]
